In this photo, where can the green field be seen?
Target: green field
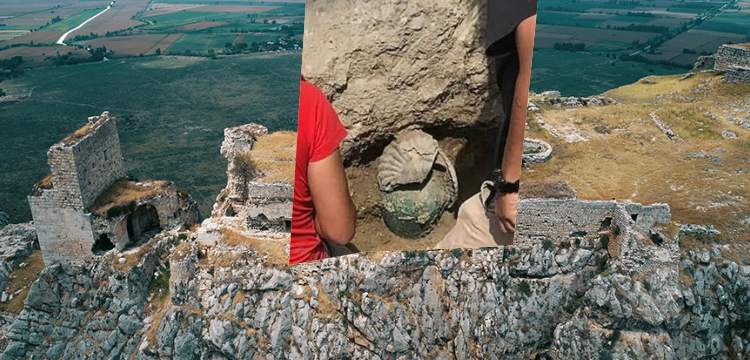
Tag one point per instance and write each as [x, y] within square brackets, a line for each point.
[171, 115]
[72, 21]
[582, 74]
[730, 22]
[200, 43]
[168, 21]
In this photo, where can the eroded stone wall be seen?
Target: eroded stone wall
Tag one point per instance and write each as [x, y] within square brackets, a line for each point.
[249, 201]
[89, 165]
[82, 166]
[734, 60]
[738, 76]
[732, 55]
[65, 233]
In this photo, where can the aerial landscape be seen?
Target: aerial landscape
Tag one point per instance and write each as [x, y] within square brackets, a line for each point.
[145, 61]
[149, 146]
[158, 52]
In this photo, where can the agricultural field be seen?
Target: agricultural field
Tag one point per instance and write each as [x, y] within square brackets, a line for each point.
[616, 42]
[561, 70]
[188, 42]
[139, 27]
[171, 112]
[135, 45]
[36, 14]
[120, 17]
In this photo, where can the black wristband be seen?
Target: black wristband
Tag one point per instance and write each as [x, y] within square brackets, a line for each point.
[502, 185]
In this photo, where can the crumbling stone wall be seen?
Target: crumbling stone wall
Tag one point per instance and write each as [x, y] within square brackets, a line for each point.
[85, 165]
[64, 233]
[732, 55]
[734, 60]
[738, 76]
[83, 168]
[248, 202]
[397, 64]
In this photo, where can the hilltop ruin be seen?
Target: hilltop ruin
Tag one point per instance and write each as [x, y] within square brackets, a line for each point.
[585, 279]
[87, 206]
[734, 60]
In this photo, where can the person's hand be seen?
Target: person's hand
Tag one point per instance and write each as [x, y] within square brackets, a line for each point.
[506, 210]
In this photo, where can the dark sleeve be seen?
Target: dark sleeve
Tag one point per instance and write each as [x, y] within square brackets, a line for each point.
[503, 16]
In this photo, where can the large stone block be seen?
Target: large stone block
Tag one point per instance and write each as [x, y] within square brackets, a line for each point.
[395, 64]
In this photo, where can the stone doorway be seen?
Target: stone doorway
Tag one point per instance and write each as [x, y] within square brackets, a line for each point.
[142, 224]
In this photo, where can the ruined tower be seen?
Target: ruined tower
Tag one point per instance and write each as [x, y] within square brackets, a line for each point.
[82, 165]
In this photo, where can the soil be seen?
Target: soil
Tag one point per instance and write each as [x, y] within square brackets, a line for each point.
[469, 152]
[372, 234]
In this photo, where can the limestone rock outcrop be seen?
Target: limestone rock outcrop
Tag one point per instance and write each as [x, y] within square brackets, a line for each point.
[587, 279]
[554, 99]
[704, 63]
[536, 151]
[91, 311]
[17, 241]
[402, 65]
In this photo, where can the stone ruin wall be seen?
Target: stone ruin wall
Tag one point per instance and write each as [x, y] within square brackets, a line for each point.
[585, 280]
[729, 56]
[738, 76]
[64, 233]
[734, 60]
[400, 65]
[562, 297]
[81, 169]
[248, 201]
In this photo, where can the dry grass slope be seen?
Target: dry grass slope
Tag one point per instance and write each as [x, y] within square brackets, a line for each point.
[703, 177]
[124, 192]
[20, 281]
[273, 156]
[274, 250]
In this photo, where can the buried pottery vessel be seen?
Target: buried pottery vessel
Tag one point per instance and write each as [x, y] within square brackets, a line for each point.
[417, 183]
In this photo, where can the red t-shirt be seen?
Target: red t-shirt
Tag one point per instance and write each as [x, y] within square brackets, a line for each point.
[319, 133]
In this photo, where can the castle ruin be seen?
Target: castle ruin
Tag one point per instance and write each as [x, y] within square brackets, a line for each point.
[258, 195]
[86, 205]
[734, 60]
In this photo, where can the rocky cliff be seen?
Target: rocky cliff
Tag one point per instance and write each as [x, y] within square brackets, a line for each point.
[588, 279]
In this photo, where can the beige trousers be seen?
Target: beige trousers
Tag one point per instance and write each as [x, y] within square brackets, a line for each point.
[476, 227]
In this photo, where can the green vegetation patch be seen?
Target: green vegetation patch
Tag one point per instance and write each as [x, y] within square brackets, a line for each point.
[555, 70]
[180, 18]
[730, 22]
[200, 43]
[59, 24]
[171, 113]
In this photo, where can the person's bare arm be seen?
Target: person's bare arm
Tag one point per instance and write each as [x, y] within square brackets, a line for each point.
[334, 209]
[514, 144]
[506, 204]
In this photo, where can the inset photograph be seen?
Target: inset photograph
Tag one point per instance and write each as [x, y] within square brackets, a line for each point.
[423, 112]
